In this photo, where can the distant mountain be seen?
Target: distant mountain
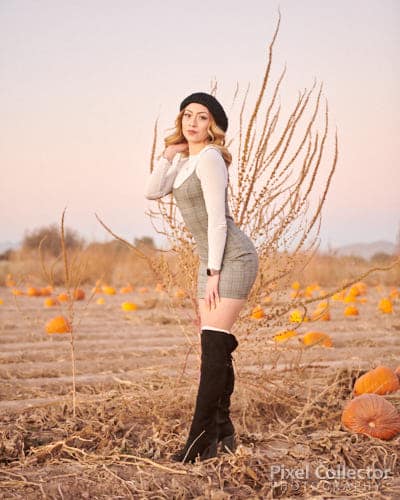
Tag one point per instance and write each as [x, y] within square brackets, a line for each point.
[366, 250]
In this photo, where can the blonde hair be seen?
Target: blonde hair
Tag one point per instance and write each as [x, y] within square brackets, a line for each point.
[216, 137]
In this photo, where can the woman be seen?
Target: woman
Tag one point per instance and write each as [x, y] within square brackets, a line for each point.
[194, 167]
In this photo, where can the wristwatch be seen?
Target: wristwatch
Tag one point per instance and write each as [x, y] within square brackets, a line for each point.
[212, 272]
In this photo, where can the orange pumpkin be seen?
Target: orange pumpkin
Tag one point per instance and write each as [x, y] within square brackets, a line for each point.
[322, 312]
[50, 302]
[108, 290]
[79, 294]
[385, 305]
[380, 380]
[296, 285]
[10, 282]
[33, 292]
[339, 295]
[372, 415]
[351, 311]
[63, 297]
[257, 312]
[313, 338]
[296, 316]
[284, 335]
[128, 306]
[126, 289]
[59, 324]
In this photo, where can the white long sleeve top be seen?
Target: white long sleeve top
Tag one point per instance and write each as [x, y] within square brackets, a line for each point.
[213, 175]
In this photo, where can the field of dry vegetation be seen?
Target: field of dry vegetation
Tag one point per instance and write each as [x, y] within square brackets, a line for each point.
[136, 376]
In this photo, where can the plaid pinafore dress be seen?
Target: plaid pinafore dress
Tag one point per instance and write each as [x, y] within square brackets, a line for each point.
[239, 265]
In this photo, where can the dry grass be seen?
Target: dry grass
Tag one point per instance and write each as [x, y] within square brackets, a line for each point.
[119, 443]
[136, 386]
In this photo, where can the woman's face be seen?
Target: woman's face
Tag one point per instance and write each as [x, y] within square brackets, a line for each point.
[195, 122]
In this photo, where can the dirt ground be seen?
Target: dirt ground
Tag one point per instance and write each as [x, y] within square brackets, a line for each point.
[136, 380]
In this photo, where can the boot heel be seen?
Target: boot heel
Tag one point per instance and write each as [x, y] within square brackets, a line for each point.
[228, 443]
[210, 451]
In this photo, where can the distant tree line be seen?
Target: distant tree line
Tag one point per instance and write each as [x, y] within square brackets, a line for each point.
[51, 242]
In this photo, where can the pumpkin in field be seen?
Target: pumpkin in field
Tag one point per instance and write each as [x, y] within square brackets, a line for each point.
[295, 285]
[394, 294]
[50, 302]
[46, 291]
[100, 301]
[33, 292]
[322, 312]
[126, 289]
[1, 302]
[16, 292]
[339, 296]
[296, 316]
[385, 305]
[284, 335]
[128, 306]
[380, 380]
[10, 282]
[79, 294]
[351, 311]
[313, 338]
[108, 290]
[372, 415]
[350, 298]
[257, 312]
[59, 324]
[63, 297]
[180, 293]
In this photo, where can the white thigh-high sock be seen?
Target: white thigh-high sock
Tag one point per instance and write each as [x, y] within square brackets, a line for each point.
[206, 327]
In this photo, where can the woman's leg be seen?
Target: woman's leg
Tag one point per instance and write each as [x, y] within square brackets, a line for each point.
[223, 316]
[215, 385]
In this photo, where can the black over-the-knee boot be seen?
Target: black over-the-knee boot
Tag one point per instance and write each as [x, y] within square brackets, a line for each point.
[203, 434]
[226, 430]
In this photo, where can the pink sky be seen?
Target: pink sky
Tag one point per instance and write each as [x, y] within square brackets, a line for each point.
[83, 82]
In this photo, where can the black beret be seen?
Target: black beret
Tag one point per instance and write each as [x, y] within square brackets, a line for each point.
[211, 103]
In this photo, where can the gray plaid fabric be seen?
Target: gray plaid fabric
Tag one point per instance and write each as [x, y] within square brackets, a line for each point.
[239, 265]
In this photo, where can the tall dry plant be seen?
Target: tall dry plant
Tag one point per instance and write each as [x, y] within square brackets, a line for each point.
[276, 177]
[73, 271]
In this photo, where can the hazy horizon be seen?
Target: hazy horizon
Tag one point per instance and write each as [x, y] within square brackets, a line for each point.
[80, 92]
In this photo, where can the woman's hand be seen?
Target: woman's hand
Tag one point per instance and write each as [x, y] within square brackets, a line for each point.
[212, 295]
[171, 151]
